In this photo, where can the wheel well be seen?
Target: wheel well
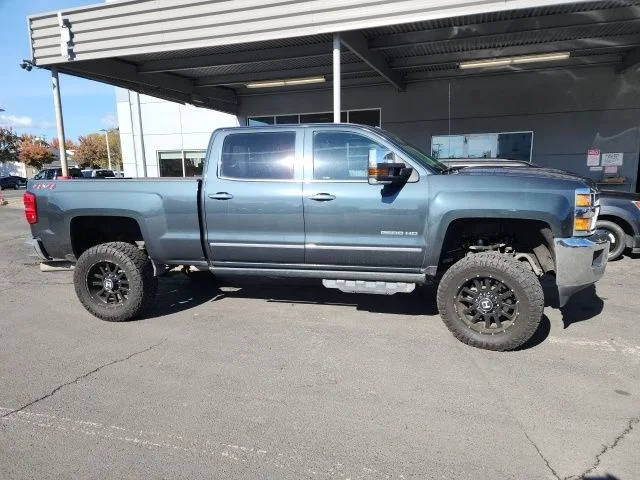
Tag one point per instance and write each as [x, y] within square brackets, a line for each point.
[528, 240]
[618, 221]
[89, 231]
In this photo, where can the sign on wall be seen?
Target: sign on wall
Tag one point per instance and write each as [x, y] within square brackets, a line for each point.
[611, 159]
[593, 157]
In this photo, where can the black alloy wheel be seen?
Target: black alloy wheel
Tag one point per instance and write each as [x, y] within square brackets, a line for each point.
[108, 283]
[486, 305]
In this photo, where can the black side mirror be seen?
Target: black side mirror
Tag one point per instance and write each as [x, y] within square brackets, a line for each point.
[391, 170]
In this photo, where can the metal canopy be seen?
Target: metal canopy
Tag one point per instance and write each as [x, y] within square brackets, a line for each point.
[205, 52]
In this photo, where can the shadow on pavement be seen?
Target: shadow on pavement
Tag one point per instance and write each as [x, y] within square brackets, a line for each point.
[539, 336]
[582, 306]
[178, 292]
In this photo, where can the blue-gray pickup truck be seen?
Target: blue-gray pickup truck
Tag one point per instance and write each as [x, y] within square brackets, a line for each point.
[356, 207]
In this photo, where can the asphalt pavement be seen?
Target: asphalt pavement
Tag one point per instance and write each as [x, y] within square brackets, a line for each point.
[287, 380]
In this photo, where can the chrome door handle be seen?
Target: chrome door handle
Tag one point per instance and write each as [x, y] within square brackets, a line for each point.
[220, 196]
[322, 197]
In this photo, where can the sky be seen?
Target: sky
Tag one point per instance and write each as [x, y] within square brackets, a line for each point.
[26, 97]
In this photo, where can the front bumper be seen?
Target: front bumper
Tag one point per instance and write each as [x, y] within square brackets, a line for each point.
[580, 262]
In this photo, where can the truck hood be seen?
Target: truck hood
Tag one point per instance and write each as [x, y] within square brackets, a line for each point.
[525, 172]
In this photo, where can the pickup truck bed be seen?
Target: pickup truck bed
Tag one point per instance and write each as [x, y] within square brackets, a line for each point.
[164, 209]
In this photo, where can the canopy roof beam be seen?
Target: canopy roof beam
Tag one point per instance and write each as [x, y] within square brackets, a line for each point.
[236, 58]
[119, 70]
[357, 43]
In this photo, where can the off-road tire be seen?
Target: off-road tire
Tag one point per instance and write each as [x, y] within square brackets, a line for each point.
[616, 249]
[139, 272]
[522, 281]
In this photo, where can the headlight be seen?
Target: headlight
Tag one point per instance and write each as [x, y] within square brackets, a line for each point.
[587, 207]
[636, 203]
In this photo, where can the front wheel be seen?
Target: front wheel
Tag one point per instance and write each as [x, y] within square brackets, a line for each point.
[114, 281]
[491, 301]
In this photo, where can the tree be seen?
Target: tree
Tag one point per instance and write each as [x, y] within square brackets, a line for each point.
[8, 145]
[116, 151]
[34, 152]
[91, 150]
[69, 145]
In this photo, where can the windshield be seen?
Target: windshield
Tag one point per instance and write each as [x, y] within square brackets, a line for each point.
[415, 153]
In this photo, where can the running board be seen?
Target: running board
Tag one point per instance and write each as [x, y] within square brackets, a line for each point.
[376, 288]
[401, 277]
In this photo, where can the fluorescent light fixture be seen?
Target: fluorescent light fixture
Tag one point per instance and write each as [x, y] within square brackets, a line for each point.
[501, 62]
[285, 83]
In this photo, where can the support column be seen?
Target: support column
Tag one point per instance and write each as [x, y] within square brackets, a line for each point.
[142, 149]
[336, 79]
[57, 106]
[106, 137]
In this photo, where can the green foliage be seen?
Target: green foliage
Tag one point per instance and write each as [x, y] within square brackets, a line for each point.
[8, 145]
[91, 151]
[34, 152]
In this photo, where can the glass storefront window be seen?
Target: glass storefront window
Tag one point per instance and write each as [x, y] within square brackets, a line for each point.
[287, 119]
[170, 164]
[193, 163]
[365, 117]
[178, 163]
[369, 117]
[258, 121]
[507, 146]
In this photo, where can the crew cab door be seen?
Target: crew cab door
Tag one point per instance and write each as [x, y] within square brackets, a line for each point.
[253, 197]
[350, 223]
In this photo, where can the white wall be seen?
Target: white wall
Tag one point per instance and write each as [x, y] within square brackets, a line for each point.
[12, 168]
[165, 126]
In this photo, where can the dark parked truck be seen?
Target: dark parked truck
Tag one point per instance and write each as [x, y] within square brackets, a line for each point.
[356, 207]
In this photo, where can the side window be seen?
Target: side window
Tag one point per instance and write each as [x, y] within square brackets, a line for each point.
[344, 155]
[258, 156]
[39, 175]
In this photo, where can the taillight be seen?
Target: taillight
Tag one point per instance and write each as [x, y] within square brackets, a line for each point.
[30, 209]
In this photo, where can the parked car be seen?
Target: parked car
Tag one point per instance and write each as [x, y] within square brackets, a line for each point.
[380, 217]
[54, 173]
[619, 211]
[484, 162]
[12, 181]
[98, 173]
[103, 173]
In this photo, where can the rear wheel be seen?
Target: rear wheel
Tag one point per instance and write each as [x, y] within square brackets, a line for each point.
[115, 281]
[490, 300]
[616, 236]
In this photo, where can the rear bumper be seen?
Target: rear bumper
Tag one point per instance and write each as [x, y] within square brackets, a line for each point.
[38, 248]
[580, 262]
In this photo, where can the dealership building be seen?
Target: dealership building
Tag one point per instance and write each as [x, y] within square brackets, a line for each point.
[555, 83]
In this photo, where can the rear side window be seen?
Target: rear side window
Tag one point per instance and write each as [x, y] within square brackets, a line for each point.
[258, 156]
